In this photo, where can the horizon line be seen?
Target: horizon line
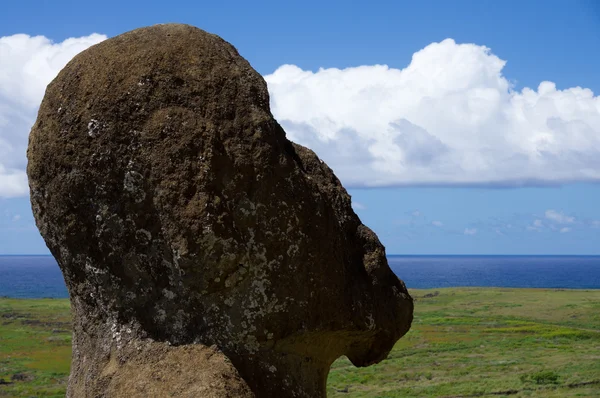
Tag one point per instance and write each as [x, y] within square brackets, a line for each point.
[402, 255]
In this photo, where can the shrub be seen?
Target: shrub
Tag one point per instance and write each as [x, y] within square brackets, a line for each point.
[542, 377]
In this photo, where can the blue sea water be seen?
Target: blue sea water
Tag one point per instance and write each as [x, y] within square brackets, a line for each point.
[31, 277]
[39, 276]
[560, 272]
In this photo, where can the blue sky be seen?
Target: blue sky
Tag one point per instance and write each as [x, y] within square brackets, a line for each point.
[455, 147]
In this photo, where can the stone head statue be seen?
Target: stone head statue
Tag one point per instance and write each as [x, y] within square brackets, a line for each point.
[196, 241]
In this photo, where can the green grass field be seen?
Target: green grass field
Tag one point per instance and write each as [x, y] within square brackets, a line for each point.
[463, 343]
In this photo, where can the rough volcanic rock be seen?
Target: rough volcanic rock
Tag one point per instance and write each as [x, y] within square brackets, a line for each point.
[182, 218]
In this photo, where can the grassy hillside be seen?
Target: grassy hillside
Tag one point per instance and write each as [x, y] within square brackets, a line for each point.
[488, 342]
[463, 343]
[35, 347]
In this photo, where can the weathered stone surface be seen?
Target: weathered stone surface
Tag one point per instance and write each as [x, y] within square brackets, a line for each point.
[153, 369]
[182, 218]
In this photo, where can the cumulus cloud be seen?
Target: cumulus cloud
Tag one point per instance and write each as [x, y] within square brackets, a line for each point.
[27, 65]
[437, 223]
[564, 230]
[470, 231]
[449, 117]
[559, 217]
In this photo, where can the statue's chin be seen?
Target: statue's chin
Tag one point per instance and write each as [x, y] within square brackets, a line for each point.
[375, 352]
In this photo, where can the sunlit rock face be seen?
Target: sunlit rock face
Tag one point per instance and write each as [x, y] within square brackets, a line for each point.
[190, 230]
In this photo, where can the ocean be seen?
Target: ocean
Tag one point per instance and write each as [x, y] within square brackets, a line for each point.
[39, 276]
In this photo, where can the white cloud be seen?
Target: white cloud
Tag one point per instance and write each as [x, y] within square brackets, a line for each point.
[27, 65]
[437, 223]
[16, 217]
[450, 117]
[470, 231]
[358, 206]
[564, 230]
[559, 217]
[536, 226]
